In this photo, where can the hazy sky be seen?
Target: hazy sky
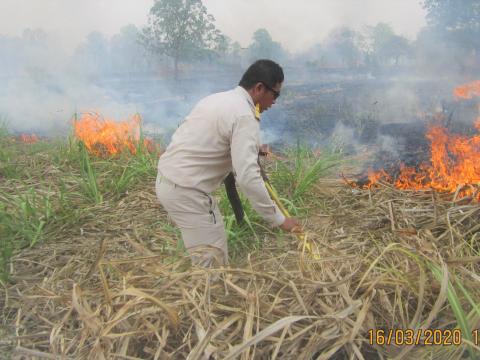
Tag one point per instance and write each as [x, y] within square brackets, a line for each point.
[295, 23]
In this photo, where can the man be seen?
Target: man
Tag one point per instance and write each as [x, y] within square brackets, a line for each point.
[220, 135]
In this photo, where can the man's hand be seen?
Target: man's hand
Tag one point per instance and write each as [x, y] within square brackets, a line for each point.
[291, 225]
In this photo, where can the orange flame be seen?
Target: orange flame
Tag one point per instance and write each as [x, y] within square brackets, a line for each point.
[453, 162]
[467, 91]
[375, 176]
[29, 139]
[107, 137]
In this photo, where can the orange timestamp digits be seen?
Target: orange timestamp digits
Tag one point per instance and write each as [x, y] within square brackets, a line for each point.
[400, 337]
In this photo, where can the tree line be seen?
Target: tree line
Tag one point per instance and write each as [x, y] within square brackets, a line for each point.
[184, 31]
[181, 33]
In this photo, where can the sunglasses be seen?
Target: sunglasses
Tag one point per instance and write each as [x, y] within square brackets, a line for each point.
[275, 93]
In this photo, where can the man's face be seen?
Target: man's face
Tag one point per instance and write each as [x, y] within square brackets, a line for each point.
[268, 95]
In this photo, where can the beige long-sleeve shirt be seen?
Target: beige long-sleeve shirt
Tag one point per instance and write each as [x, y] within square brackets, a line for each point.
[221, 134]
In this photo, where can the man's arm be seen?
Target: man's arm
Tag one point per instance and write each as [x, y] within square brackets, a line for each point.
[244, 151]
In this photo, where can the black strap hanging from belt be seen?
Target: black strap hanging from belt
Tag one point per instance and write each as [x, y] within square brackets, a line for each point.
[232, 193]
[233, 197]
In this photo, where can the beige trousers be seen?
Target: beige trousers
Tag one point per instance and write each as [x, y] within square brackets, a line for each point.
[197, 215]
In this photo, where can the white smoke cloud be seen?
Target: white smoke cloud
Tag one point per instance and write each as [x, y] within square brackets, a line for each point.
[47, 105]
[43, 93]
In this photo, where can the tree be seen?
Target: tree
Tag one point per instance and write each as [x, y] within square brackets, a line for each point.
[235, 49]
[126, 50]
[94, 53]
[35, 37]
[456, 24]
[432, 55]
[222, 44]
[180, 29]
[235, 53]
[399, 47]
[343, 43]
[35, 51]
[263, 47]
[458, 21]
[39, 51]
[384, 47]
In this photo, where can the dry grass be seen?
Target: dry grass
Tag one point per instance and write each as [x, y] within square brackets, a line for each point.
[121, 290]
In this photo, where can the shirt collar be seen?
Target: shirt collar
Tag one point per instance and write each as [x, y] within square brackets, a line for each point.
[249, 99]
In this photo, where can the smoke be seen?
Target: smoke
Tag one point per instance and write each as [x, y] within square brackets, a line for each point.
[44, 86]
[46, 104]
[333, 95]
[345, 139]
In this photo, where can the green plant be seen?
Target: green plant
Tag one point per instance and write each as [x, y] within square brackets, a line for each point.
[7, 155]
[302, 170]
[456, 305]
[240, 236]
[33, 213]
[23, 218]
[6, 243]
[89, 177]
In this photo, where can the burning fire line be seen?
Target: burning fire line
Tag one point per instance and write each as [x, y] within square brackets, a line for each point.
[454, 161]
[29, 139]
[104, 137]
[467, 91]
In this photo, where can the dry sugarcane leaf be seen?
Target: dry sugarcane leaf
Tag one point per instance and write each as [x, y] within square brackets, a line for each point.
[172, 315]
[268, 331]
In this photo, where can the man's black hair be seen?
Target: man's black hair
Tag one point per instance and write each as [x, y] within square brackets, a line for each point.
[265, 71]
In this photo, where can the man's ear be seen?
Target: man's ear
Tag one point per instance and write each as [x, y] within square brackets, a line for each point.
[258, 87]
